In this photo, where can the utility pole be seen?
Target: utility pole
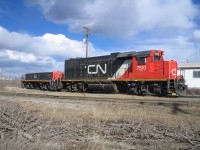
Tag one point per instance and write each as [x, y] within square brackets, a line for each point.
[86, 39]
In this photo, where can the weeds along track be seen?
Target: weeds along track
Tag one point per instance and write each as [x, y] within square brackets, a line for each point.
[191, 96]
[187, 101]
[33, 120]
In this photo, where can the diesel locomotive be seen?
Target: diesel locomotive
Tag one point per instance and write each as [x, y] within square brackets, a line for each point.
[140, 73]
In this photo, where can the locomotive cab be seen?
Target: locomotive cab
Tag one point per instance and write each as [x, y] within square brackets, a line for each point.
[151, 74]
[148, 65]
[151, 65]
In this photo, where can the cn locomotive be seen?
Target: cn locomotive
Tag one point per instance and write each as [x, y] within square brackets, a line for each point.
[140, 73]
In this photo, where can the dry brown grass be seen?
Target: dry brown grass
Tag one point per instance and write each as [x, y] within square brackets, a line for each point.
[111, 111]
[105, 117]
[99, 125]
[9, 83]
[96, 125]
[193, 91]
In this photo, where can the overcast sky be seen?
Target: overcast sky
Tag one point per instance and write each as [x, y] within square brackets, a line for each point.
[38, 35]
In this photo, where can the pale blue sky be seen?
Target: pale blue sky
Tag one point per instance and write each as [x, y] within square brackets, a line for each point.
[38, 35]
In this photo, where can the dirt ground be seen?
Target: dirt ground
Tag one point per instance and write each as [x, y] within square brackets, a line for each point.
[55, 124]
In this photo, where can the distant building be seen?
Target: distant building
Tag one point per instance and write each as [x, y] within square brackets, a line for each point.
[191, 73]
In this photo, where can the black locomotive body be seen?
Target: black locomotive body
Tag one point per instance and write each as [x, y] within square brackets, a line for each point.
[43, 80]
[38, 76]
[101, 67]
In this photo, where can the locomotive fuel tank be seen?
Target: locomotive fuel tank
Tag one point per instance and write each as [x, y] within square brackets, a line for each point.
[110, 88]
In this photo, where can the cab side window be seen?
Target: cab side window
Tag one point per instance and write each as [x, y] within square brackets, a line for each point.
[141, 60]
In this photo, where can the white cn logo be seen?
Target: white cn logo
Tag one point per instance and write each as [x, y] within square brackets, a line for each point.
[96, 68]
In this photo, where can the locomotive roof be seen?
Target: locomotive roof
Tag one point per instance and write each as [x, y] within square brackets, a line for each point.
[126, 54]
[134, 53]
[121, 55]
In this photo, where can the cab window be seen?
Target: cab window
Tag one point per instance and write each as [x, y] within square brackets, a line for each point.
[141, 60]
[156, 58]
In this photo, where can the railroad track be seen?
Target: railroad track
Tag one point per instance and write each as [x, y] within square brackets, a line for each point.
[136, 99]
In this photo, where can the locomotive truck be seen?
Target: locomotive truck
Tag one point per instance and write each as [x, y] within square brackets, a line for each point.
[140, 73]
